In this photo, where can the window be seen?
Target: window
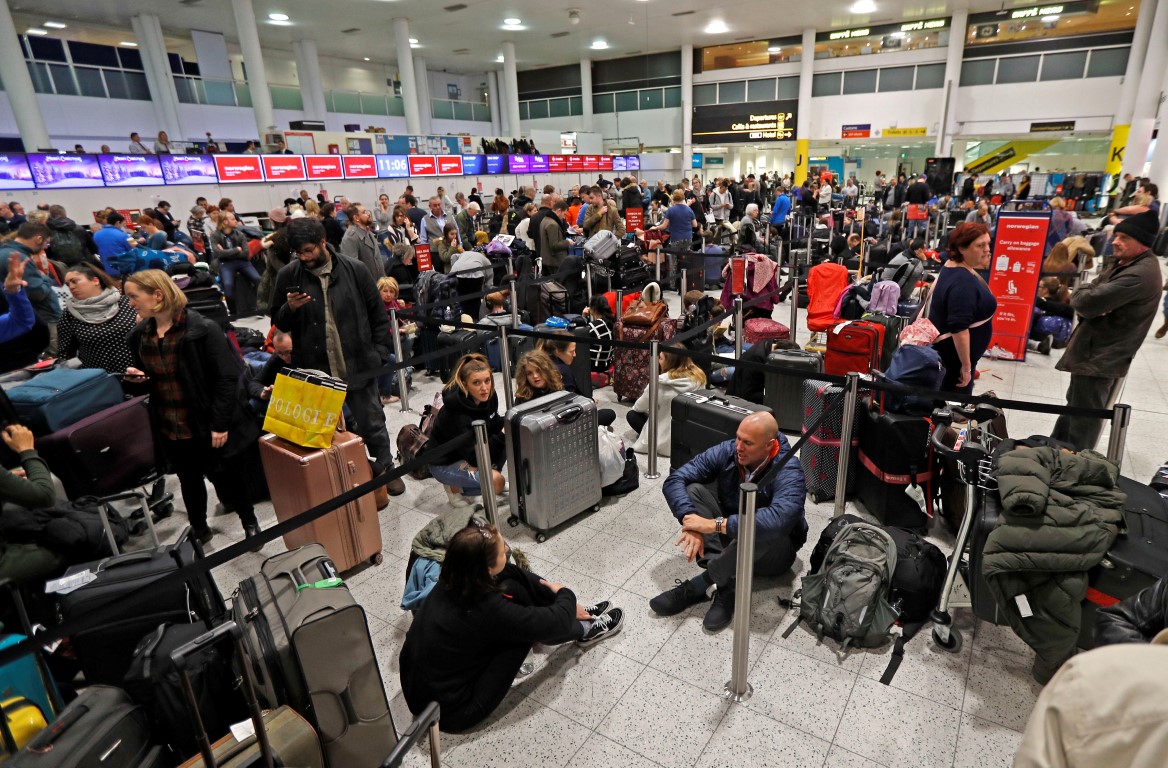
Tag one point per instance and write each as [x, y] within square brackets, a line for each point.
[626, 101]
[523, 110]
[559, 108]
[860, 81]
[602, 103]
[63, 79]
[930, 76]
[732, 93]
[706, 94]
[1018, 69]
[96, 55]
[788, 87]
[760, 90]
[1108, 62]
[482, 112]
[537, 110]
[896, 79]
[47, 49]
[40, 77]
[90, 82]
[978, 72]
[827, 84]
[1064, 66]
[136, 87]
[130, 58]
[651, 99]
[673, 97]
[576, 106]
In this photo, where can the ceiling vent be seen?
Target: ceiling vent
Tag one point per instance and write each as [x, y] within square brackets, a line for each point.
[455, 7]
[560, 34]
[462, 51]
[350, 30]
[189, 2]
[683, 13]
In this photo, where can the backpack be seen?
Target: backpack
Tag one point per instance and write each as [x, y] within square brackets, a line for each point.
[1160, 244]
[412, 439]
[1059, 327]
[848, 600]
[913, 365]
[248, 338]
[68, 248]
[885, 295]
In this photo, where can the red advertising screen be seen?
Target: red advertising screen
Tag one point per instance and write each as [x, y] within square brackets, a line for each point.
[235, 168]
[557, 163]
[422, 256]
[606, 162]
[359, 166]
[423, 165]
[634, 217]
[449, 165]
[1019, 245]
[591, 163]
[575, 162]
[283, 167]
[324, 167]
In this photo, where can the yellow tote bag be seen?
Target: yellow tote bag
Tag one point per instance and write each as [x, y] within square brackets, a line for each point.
[304, 412]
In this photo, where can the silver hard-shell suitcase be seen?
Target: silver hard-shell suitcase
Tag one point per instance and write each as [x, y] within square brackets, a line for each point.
[553, 460]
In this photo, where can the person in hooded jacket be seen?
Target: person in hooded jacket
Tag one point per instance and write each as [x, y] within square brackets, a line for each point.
[469, 396]
[679, 373]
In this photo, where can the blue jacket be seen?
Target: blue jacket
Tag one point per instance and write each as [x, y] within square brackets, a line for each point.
[779, 504]
[19, 318]
[780, 210]
[39, 288]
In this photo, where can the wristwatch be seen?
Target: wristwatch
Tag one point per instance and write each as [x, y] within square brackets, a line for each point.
[719, 525]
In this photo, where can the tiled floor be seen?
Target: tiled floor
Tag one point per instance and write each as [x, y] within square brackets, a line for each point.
[650, 696]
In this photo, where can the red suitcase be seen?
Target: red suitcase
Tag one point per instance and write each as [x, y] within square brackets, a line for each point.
[758, 328]
[301, 478]
[853, 346]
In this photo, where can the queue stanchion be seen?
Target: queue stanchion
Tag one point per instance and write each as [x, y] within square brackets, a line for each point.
[620, 300]
[739, 689]
[738, 327]
[657, 265]
[682, 285]
[514, 303]
[588, 279]
[486, 478]
[505, 366]
[654, 371]
[851, 397]
[403, 389]
[1120, 420]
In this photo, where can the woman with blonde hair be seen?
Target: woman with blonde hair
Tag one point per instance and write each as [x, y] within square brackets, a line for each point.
[469, 396]
[536, 376]
[679, 374]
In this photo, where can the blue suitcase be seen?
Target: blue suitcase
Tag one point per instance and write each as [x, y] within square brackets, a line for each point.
[63, 397]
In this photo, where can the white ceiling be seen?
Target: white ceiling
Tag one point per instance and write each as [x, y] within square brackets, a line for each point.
[629, 26]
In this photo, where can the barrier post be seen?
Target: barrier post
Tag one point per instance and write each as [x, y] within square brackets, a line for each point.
[403, 389]
[1117, 441]
[738, 327]
[620, 300]
[514, 303]
[738, 689]
[505, 366]
[681, 286]
[654, 371]
[657, 264]
[588, 277]
[486, 481]
[851, 396]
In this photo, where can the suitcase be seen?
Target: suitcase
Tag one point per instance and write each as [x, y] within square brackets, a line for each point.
[853, 346]
[20, 721]
[27, 677]
[819, 456]
[101, 727]
[782, 393]
[630, 373]
[62, 397]
[453, 338]
[702, 419]
[309, 646]
[105, 650]
[758, 328]
[289, 739]
[553, 300]
[987, 513]
[894, 452]
[209, 303]
[893, 325]
[300, 478]
[712, 264]
[557, 434]
[105, 453]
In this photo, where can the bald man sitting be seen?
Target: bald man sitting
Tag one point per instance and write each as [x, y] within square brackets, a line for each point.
[703, 496]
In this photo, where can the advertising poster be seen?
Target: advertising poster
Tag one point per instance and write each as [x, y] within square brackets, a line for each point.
[283, 167]
[188, 169]
[634, 218]
[360, 166]
[62, 171]
[422, 165]
[395, 166]
[450, 165]
[130, 170]
[322, 167]
[422, 256]
[233, 169]
[1019, 247]
[15, 173]
[474, 165]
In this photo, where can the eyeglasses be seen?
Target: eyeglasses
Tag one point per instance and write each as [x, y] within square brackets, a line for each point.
[307, 250]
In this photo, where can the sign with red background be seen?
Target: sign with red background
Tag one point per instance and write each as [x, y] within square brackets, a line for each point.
[235, 168]
[634, 218]
[449, 165]
[424, 165]
[606, 162]
[359, 166]
[283, 167]
[591, 162]
[557, 163]
[1015, 269]
[575, 163]
[422, 257]
[324, 167]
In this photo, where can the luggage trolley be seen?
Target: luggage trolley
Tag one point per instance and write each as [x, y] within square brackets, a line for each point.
[973, 452]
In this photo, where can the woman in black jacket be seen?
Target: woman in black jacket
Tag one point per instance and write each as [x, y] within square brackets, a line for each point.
[333, 232]
[230, 251]
[472, 633]
[193, 375]
[468, 397]
[536, 376]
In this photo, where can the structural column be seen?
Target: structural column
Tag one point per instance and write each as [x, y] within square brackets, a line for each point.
[586, 123]
[511, 92]
[405, 73]
[494, 102]
[686, 109]
[1121, 124]
[947, 126]
[1158, 172]
[18, 84]
[422, 86]
[311, 82]
[163, 94]
[803, 119]
[1147, 98]
[253, 60]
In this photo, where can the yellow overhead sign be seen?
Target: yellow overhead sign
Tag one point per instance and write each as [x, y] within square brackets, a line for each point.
[1006, 155]
[890, 132]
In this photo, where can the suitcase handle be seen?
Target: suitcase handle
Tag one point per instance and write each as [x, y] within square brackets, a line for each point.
[569, 414]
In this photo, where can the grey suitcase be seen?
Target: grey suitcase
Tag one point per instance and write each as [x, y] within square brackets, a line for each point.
[784, 393]
[553, 460]
[101, 727]
[701, 420]
[309, 645]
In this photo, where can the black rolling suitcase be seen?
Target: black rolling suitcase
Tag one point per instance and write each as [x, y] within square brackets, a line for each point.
[703, 419]
[784, 393]
[986, 515]
[452, 339]
[895, 455]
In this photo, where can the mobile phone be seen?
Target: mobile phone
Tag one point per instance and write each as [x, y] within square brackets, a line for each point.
[294, 289]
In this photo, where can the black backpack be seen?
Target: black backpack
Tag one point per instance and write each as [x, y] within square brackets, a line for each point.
[68, 248]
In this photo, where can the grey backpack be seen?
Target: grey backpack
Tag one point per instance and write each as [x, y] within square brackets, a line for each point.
[847, 599]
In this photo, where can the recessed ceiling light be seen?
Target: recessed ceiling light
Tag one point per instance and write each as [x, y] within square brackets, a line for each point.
[863, 6]
[774, 49]
[366, 58]
[415, 45]
[512, 21]
[55, 25]
[500, 59]
[37, 31]
[278, 16]
[413, 41]
[514, 27]
[280, 23]
[599, 45]
[129, 44]
[716, 27]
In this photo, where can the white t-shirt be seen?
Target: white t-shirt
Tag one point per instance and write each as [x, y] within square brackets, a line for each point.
[825, 194]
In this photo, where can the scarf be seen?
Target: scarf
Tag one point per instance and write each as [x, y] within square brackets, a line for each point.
[98, 309]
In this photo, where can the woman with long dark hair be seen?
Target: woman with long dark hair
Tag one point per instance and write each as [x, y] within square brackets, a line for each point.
[94, 325]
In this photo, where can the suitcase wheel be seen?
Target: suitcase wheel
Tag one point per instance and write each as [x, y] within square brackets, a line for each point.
[541, 537]
[513, 521]
[377, 559]
[954, 644]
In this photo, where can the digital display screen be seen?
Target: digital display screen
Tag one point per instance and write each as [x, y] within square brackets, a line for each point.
[283, 167]
[496, 164]
[474, 165]
[130, 170]
[321, 167]
[633, 163]
[618, 164]
[519, 163]
[188, 169]
[238, 168]
[591, 163]
[606, 162]
[361, 166]
[15, 173]
[575, 163]
[62, 171]
[539, 164]
[557, 163]
[392, 166]
[422, 165]
[449, 165]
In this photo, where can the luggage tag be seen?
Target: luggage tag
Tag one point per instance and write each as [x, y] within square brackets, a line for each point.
[915, 493]
[67, 584]
[1023, 606]
[329, 583]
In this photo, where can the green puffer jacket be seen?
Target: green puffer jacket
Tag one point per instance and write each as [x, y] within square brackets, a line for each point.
[1060, 514]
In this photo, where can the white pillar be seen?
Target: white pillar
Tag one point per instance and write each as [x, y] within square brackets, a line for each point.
[18, 84]
[1158, 172]
[253, 59]
[163, 94]
[1148, 96]
[504, 112]
[512, 91]
[1135, 62]
[493, 101]
[311, 82]
[422, 86]
[586, 95]
[947, 125]
[686, 109]
[803, 118]
[405, 72]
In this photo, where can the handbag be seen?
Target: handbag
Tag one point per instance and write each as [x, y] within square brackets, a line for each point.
[921, 331]
[645, 313]
[305, 407]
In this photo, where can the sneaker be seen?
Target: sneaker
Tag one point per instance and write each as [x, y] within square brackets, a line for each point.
[721, 612]
[597, 609]
[605, 625]
[1045, 343]
[250, 531]
[674, 601]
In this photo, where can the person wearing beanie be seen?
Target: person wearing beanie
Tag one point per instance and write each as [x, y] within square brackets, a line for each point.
[1115, 312]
